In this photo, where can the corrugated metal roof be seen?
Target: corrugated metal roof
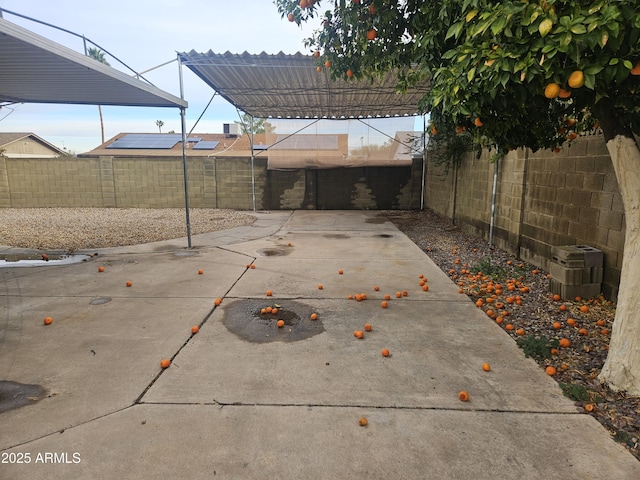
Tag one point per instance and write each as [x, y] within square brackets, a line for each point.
[34, 69]
[288, 86]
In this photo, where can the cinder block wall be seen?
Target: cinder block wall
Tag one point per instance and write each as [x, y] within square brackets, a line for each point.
[213, 183]
[543, 199]
[59, 182]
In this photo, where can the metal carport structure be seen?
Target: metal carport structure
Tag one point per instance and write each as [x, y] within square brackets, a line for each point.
[34, 69]
[291, 87]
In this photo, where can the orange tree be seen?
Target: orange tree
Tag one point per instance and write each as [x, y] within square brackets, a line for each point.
[515, 73]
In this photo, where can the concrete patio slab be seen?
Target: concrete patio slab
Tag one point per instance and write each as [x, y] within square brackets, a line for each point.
[232, 408]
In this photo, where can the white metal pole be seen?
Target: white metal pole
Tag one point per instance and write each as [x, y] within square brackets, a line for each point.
[184, 155]
[253, 177]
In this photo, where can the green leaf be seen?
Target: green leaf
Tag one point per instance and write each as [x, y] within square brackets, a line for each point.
[578, 29]
[614, 61]
[565, 39]
[545, 27]
[454, 30]
[589, 81]
[498, 25]
[449, 55]
[604, 38]
[627, 64]
[470, 74]
[533, 16]
[593, 70]
[595, 8]
[471, 15]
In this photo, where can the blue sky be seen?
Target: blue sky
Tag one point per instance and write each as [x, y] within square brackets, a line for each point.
[145, 34]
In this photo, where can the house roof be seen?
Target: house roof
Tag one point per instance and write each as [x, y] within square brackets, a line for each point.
[289, 86]
[37, 70]
[227, 146]
[7, 138]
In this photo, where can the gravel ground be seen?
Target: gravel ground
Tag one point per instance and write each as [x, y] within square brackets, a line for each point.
[72, 229]
[531, 307]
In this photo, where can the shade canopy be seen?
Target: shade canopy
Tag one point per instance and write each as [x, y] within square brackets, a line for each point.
[34, 69]
[289, 86]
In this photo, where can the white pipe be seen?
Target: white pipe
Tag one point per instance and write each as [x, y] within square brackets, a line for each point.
[493, 202]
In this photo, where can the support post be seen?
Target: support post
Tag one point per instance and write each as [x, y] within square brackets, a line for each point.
[253, 176]
[184, 155]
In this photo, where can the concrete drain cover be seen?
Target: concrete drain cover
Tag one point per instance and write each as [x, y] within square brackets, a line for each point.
[15, 395]
[246, 319]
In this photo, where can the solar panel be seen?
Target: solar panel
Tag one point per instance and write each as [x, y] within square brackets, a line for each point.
[206, 145]
[150, 141]
[261, 147]
[193, 139]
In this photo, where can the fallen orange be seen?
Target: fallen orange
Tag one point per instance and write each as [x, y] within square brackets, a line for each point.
[195, 329]
[165, 362]
[48, 320]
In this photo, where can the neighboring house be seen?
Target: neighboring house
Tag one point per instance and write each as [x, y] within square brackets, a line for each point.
[151, 145]
[27, 145]
[288, 152]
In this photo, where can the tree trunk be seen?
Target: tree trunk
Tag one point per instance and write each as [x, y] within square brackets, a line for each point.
[621, 370]
[101, 123]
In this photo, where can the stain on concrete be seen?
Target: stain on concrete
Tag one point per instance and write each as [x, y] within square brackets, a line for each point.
[15, 395]
[336, 236]
[274, 252]
[246, 319]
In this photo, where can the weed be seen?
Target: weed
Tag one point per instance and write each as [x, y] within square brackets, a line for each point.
[537, 347]
[626, 438]
[577, 393]
[490, 269]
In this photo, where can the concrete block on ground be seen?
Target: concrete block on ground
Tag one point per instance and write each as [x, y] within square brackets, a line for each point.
[592, 256]
[587, 290]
